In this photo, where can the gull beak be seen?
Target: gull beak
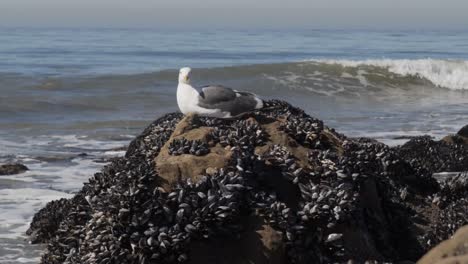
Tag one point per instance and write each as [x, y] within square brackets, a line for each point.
[186, 78]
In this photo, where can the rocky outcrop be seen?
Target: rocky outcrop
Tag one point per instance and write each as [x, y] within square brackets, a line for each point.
[460, 138]
[174, 168]
[435, 156]
[463, 132]
[272, 186]
[14, 168]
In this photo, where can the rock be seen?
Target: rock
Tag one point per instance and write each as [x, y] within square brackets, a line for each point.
[460, 138]
[10, 169]
[451, 251]
[173, 169]
[47, 221]
[258, 244]
[436, 156]
[463, 132]
[272, 186]
[455, 140]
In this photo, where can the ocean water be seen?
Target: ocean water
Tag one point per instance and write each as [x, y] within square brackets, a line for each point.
[70, 99]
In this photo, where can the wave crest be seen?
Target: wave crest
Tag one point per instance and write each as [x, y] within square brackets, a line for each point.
[451, 74]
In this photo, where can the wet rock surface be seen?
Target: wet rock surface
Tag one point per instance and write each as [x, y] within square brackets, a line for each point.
[14, 168]
[272, 186]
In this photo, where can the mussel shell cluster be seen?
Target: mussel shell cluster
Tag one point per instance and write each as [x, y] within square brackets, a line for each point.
[304, 129]
[183, 146]
[243, 133]
[361, 187]
[435, 156]
[452, 200]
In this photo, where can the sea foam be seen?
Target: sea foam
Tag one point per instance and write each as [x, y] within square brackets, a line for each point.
[451, 74]
[18, 206]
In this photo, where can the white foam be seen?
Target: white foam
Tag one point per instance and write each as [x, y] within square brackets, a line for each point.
[27, 260]
[115, 153]
[361, 77]
[23, 145]
[314, 82]
[22, 195]
[451, 74]
[18, 207]
[82, 142]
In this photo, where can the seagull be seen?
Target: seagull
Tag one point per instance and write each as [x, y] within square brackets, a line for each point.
[213, 100]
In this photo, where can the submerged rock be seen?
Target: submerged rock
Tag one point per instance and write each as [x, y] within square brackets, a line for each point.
[14, 168]
[273, 186]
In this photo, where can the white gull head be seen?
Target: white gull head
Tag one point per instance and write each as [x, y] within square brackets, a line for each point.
[184, 75]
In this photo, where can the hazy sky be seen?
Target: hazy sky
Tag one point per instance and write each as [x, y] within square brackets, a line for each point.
[400, 14]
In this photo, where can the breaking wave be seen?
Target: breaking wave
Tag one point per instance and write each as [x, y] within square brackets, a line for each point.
[451, 74]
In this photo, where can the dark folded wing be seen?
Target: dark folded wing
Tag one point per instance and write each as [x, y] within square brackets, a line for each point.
[214, 94]
[226, 99]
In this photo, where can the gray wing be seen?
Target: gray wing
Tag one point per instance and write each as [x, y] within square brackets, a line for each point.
[226, 99]
[214, 94]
